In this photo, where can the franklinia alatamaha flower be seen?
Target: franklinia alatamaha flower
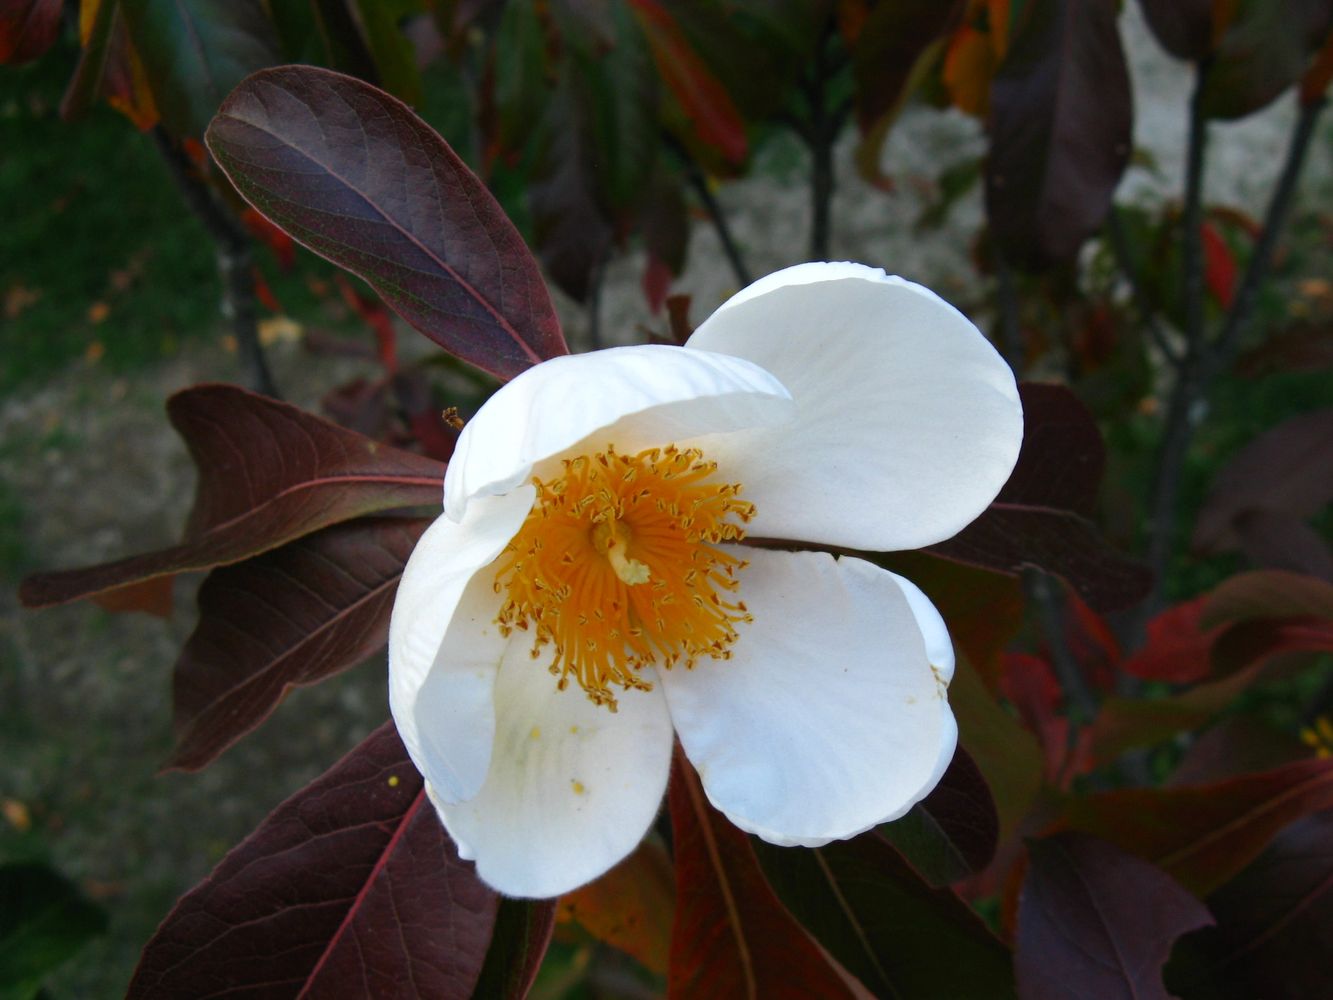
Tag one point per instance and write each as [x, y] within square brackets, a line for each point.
[586, 592]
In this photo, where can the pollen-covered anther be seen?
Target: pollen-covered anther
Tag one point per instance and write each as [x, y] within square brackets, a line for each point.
[617, 567]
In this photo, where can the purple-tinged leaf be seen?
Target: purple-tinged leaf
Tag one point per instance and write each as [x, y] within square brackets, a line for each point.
[268, 473]
[951, 833]
[1264, 594]
[1060, 122]
[523, 931]
[1274, 928]
[886, 926]
[1183, 27]
[1096, 922]
[288, 618]
[1283, 471]
[354, 175]
[1203, 835]
[1274, 539]
[27, 29]
[1040, 517]
[1266, 48]
[733, 939]
[350, 888]
[195, 51]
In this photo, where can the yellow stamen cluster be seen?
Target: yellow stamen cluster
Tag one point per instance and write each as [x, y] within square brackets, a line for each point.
[617, 567]
[1319, 737]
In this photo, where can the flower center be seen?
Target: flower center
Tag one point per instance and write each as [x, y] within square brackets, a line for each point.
[618, 566]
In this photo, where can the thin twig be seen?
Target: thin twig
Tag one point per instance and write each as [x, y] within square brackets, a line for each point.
[1186, 394]
[1115, 232]
[1279, 207]
[699, 183]
[1048, 600]
[235, 261]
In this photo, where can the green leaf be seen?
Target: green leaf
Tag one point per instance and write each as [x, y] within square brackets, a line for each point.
[196, 51]
[44, 919]
[392, 52]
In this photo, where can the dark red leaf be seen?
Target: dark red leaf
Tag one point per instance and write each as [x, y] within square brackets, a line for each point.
[1275, 919]
[1092, 643]
[1030, 684]
[1317, 78]
[354, 175]
[951, 833]
[522, 934]
[268, 473]
[27, 29]
[888, 43]
[732, 939]
[1039, 518]
[1268, 594]
[1219, 266]
[1274, 539]
[1060, 120]
[1266, 48]
[1096, 922]
[876, 916]
[1255, 641]
[1176, 649]
[1183, 27]
[350, 887]
[1284, 470]
[195, 51]
[288, 618]
[1304, 347]
[1203, 835]
[656, 282]
[1236, 745]
[153, 597]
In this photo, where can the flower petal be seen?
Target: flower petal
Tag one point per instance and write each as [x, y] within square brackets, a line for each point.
[572, 787]
[828, 719]
[907, 424]
[939, 647]
[636, 397]
[439, 692]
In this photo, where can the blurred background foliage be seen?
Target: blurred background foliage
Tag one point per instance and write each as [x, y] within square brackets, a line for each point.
[1197, 332]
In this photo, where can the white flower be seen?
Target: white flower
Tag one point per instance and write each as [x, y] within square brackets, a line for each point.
[592, 512]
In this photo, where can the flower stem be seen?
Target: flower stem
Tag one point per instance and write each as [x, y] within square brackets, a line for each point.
[235, 261]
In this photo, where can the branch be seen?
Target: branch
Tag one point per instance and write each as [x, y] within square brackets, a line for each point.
[695, 175]
[235, 261]
[1188, 389]
[1045, 594]
[1279, 208]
